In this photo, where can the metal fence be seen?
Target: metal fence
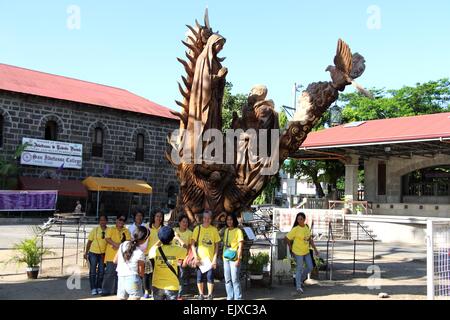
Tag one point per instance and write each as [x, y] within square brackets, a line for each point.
[438, 260]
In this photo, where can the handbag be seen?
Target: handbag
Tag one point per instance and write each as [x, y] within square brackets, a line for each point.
[190, 259]
[229, 253]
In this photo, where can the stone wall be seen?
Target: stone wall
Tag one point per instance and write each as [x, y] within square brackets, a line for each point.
[395, 169]
[26, 116]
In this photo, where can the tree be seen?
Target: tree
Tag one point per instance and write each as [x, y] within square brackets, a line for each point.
[231, 103]
[430, 97]
[9, 168]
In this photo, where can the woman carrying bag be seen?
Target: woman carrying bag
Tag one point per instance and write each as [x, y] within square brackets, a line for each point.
[232, 255]
[299, 240]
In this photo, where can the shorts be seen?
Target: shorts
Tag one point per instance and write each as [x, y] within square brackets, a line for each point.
[209, 276]
[129, 287]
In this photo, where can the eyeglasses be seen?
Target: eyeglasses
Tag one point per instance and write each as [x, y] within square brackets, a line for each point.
[121, 219]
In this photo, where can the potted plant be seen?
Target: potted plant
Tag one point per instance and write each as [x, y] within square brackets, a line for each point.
[30, 252]
[256, 265]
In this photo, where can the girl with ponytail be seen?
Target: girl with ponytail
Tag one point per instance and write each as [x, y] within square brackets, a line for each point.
[130, 259]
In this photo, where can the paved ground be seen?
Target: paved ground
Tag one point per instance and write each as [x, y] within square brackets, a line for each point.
[402, 274]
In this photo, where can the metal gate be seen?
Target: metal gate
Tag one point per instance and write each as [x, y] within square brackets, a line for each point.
[438, 260]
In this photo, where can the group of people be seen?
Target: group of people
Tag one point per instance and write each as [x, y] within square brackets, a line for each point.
[144, 260]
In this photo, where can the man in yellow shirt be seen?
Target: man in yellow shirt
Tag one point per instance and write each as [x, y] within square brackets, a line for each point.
[299, 240]
[165, 283]
[114, 237]
[95, 254]
[205, 246]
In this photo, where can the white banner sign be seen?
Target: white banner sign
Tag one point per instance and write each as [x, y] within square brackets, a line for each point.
[50, 160]
[53, 147]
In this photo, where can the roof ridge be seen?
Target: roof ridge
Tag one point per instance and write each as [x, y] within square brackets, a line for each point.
[384, 119]
[67, 77]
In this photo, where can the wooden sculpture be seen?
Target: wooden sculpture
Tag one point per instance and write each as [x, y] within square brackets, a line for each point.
[222, 186]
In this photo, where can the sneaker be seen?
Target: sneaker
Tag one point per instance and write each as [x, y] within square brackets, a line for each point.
[210, 297]
[99, 291]
[200, 297]
[146, 296]
[94, 292]
[300, 291]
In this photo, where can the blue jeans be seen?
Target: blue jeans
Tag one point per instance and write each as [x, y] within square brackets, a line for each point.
[232, 281]
[110, 279]
[301, 273]
[184, 279]
[96, 270]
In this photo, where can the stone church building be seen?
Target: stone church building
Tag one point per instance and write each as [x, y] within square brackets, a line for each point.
[122, 135]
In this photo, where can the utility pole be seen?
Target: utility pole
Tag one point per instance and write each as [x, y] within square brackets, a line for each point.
[296, 88]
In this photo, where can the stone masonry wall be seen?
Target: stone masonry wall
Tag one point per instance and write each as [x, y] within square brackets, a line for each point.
[26, 116]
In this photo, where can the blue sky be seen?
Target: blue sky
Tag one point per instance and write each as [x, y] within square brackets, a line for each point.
[134, 44]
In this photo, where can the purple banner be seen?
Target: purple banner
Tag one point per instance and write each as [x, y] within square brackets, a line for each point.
[28, 200]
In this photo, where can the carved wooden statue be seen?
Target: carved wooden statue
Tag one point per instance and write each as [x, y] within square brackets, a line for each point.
[220, 186]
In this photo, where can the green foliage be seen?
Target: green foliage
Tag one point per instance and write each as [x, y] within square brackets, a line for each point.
[30, 252]
[268, 193]
[9, 168]
[283, 120]
[257, 262]
[231, 103]
[427, 98]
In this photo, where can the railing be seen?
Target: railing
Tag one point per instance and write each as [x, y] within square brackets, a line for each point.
[367, 234]
[330, 240]
[314, 203]
[366, 205]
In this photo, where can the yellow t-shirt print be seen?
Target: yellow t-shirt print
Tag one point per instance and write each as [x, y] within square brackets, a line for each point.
[206, 241]
[163, 277]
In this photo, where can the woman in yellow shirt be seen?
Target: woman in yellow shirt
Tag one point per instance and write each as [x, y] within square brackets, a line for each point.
[205, 246]
[95, 254]
[233, 242]
[185, 234]
[156, 221]
[299, 240]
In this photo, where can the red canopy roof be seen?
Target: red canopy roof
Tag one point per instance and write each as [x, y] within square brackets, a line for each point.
[69, 188]
[405, 129]
[53, 86]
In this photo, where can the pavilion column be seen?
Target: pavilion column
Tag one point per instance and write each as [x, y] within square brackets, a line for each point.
[351, 178]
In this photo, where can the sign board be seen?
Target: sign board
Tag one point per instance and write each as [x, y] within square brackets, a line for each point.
[28, 200]
[48, 153]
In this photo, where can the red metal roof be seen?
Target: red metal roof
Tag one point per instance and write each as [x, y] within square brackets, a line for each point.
[433, 126]
[69, 188]
[38, 83]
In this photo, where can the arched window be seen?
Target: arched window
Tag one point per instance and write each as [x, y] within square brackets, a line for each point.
[51, 130]
[140, 147]
[1, 130]
[97, 144]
